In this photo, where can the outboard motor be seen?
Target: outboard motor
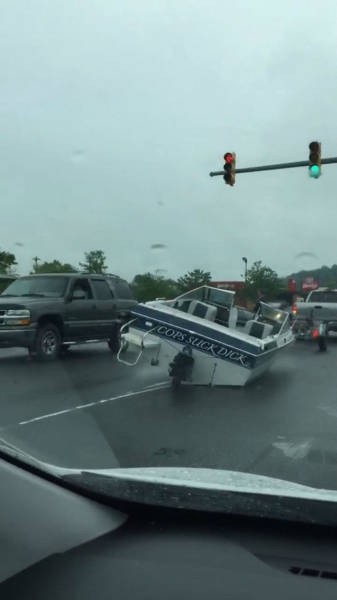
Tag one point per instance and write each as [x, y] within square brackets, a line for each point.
[181, 366]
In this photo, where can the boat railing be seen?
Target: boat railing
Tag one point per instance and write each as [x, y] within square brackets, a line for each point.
[136, 339]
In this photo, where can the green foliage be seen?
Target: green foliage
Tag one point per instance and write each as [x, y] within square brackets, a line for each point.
[147, 287]
[54, 266]
[94, 262]
[262, 280]
[7, 262]
[193, 279]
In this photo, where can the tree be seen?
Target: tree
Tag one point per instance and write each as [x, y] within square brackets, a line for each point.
[147, 287]
[194, 279]
[262, 280]
[54, 266]
[94, 262]
[7, 262]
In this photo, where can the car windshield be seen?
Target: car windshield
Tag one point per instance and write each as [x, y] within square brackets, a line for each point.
[168, 184]
[52, 287]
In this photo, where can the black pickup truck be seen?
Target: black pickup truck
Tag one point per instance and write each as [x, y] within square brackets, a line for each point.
[48, 313]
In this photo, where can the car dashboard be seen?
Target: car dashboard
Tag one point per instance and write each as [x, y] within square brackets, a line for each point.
[57, 544]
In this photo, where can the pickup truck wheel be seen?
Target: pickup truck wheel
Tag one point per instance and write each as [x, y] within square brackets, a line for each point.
[48, 343]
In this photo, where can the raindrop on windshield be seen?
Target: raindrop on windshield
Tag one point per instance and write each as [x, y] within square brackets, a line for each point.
[160, 272]
[306, 261]
[158, 246]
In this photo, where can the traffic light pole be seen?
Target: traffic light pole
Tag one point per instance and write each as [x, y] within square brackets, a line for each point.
[290, 165]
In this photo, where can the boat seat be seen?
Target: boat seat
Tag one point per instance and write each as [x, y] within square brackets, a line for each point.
[233, 317]
[258, 330]
[222, 315]
[202, 310]
[182, 305]
[197, 308]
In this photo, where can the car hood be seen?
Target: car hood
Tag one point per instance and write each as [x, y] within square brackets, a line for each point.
[217, 490]
[226, 480]
[13, 302]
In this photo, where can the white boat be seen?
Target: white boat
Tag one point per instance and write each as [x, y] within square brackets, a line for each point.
[199, 338]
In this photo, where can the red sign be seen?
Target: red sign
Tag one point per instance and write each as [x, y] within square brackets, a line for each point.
[292, 285]
[309, 284]
[228, 285]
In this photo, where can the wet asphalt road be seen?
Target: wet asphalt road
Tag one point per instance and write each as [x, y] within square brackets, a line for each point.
[88, 411]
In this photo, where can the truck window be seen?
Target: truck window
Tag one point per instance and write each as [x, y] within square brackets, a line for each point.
[123, 290]
[84, 286]
[101, 289]
[323, 297]
[47, 286]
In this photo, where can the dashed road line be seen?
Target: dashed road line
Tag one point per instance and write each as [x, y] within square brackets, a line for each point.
[146, 390]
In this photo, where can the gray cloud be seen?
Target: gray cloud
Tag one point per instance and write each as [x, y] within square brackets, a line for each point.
[113, 114]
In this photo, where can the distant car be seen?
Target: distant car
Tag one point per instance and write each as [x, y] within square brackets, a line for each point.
[48, 313]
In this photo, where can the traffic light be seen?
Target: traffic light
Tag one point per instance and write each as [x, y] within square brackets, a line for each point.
[229, 168]
[315, 159]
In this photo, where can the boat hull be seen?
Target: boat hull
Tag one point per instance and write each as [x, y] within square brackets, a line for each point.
[216, 362]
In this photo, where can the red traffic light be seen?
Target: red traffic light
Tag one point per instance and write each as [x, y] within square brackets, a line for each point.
[314, 146]
[315, 153]
[229, 167]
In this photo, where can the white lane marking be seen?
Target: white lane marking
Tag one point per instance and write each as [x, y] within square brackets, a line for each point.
[160, 384]
[89, 404]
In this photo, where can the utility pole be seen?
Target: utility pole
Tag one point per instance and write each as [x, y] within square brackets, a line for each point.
[36, 261]
[246, 268]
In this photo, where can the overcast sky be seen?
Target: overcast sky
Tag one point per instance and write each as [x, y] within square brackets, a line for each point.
[113, 113]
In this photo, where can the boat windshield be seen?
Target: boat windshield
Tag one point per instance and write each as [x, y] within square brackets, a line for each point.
[210, 295]
[273, 316]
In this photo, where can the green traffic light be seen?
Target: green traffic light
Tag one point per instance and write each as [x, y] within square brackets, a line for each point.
[314, 171]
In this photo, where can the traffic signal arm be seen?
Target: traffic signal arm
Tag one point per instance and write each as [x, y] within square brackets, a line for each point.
[275, 167]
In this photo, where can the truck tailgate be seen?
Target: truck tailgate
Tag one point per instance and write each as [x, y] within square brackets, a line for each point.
[326, 311]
